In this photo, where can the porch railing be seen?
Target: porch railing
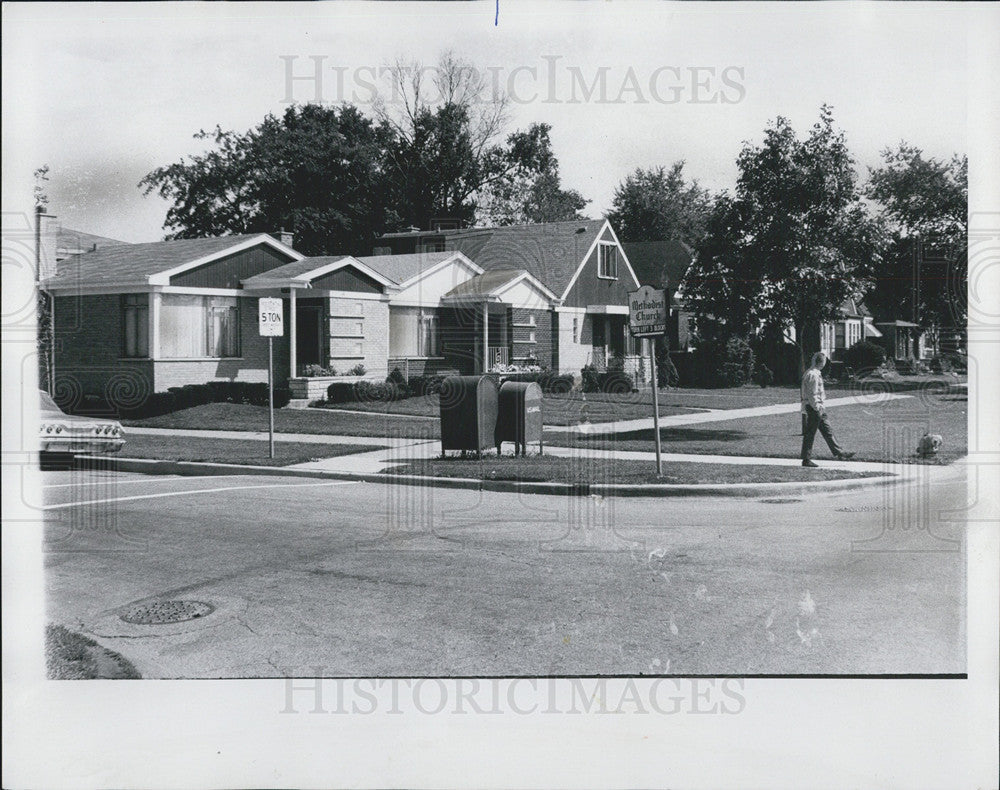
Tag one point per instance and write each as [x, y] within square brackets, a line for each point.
[498, 355]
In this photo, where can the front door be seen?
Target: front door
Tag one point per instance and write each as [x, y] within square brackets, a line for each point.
[308, 337]
[599, 341]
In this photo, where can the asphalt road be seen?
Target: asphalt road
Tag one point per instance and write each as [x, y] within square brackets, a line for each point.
[336, 578]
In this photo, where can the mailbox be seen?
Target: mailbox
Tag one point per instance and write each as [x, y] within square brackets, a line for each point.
[468, 413]
[519, 417]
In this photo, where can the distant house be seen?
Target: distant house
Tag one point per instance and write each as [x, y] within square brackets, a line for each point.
[854, 324]
[552, 294]
[901, 339]
[663, 264]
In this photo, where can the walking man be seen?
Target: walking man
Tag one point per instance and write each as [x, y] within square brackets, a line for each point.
[814, 412]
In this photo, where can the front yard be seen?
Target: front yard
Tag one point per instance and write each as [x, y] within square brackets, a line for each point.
[882, 431]
[234, 451]
[243, 417]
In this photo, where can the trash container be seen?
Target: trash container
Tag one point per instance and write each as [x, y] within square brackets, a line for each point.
[519, 415]
[468, 413]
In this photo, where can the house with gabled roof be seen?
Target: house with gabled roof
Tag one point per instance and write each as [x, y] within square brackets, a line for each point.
[572, 281]
[135, 319]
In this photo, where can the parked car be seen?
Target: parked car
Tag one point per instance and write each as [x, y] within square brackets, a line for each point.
[61, 435]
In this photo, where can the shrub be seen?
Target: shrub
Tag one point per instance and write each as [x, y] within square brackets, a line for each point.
[590, 378]
[615, 382]
[398, 380]
[548, 380]
[377, 391]
[723, 364]
[763, 375]
[341, 392]
[316, 370]
[425, 385]
[941, 364]
[864, 355]
[357, 370]
[190, 395]
[666, 371]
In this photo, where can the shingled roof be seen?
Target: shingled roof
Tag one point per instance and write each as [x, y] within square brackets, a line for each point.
[400, 268]
[550, 251]
[73, 242]
[134, 264]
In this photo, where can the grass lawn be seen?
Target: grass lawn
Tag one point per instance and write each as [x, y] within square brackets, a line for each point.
[233, 451]
[567, 409]
[241, 417]
[882, 431]
[71, 656]
[604, 471]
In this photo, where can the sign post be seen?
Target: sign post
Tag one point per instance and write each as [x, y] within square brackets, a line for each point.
[647, 318]
[270, 313]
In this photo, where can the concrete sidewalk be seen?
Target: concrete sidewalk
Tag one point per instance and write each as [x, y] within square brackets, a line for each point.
[375, 461]
[403, 451]
[715, 415]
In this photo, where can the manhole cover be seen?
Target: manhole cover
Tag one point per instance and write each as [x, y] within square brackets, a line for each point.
[780, 501]
[163, 612]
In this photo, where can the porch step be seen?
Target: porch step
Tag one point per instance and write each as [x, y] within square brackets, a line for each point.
[299, 403]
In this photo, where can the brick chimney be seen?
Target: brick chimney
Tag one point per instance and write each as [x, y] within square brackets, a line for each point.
[47, 238]
[286, 237]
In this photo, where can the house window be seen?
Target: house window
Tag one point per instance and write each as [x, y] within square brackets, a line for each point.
[608, 261]
[135, 330]
[839, 341]
[576, 330]
[199, 326]
[413, 332]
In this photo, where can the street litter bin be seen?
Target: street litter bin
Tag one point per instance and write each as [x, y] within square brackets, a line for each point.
[468, 413]
[519, 416]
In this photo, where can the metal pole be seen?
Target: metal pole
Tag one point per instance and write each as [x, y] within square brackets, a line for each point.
[656, 406]
[270, 396]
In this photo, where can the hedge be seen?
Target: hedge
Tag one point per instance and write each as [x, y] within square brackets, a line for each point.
[191, 395]
[864, 355]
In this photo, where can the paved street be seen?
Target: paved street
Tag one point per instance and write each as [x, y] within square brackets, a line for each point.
[375, 579]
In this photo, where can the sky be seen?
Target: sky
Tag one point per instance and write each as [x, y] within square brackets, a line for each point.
[105, 93]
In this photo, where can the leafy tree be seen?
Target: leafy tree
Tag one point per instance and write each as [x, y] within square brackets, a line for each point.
[659, 204]
[794, 241]
[525, 186]
[316, 170]
[925, 203]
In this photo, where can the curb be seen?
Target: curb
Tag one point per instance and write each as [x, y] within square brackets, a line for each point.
[188, 468]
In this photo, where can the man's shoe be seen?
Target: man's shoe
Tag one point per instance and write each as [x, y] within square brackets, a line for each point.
[812, 464]
[845, 456]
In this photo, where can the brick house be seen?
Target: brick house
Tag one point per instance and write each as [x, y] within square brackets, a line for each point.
[134, 319]
[555, 294]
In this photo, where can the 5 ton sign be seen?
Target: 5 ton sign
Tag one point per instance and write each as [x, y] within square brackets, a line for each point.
[272, 318]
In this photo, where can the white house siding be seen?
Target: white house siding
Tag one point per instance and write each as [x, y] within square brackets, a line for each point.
[429, 289]
[574, 352]
[359, 334]
[524, 295]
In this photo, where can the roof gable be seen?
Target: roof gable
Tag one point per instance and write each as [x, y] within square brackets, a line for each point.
[152, 263]
[552, 252]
